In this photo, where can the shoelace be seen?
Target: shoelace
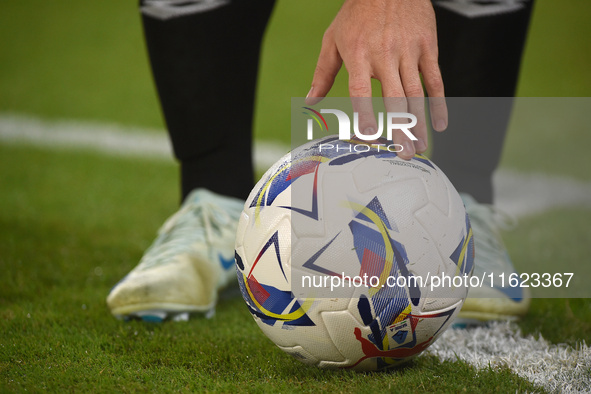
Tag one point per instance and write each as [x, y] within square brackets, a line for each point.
[198, 221]
[487, 221]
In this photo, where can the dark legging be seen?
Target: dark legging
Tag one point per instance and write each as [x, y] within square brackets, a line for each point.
[205, 56]
[205, 66]
[479, 56]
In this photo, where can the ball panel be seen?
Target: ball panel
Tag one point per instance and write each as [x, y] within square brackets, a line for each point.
[331, 214]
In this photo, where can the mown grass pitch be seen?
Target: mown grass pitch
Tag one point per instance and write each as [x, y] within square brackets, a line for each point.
[67, 239]
[73, 223]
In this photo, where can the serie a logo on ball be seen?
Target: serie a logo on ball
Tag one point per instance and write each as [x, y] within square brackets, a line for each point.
[320, 221]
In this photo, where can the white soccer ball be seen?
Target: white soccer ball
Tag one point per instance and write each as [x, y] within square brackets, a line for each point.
[350, 257]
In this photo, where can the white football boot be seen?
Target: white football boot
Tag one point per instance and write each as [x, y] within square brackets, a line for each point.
[190, 260]
[488, 302]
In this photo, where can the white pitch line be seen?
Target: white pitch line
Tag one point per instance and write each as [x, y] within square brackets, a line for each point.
[107, 138]
[556, 368]
[526, 194]
[516, 193]
[69, 134]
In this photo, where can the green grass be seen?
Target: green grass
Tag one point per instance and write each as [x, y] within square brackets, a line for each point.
[73, 223]
[65, 240]
[556, 241]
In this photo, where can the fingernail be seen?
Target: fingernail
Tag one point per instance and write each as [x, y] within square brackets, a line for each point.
[409, 149]
[421, 145]
[440, 125]
[310, 92]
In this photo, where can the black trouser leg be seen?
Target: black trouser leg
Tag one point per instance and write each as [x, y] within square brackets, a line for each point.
[205, 65]
[480, 52]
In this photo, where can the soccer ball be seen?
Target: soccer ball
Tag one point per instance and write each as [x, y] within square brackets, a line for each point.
[349, 257]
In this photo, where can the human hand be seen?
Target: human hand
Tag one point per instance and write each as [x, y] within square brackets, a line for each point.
[394, 41]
